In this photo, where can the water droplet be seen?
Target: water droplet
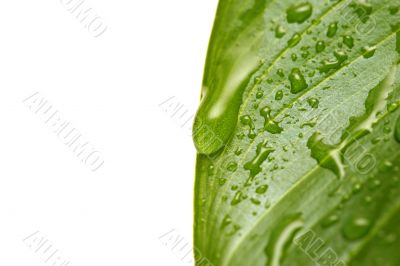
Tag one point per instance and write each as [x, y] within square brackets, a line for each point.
[232, 166]
[296, 38]
[348, 41]
[237, 198]
[262, 153]
[368, 51]
[270, 125]
[313, 102]
[320, 46]
[226, 221]
[299, 13]
[262, 189]
[330, 220]
[294, 57]
[305, 54]
[246, 120]
[221, 181]
[279, 31]
[325, 154]
[357, 188]
[308, 124]
[238, 151]
[259, 94]
[327, 65]
[255, 201]
[297, 81]
[356, 228]
[211, 170]
[217, 116]
[279, 95]
[280, 73]
[332, 29]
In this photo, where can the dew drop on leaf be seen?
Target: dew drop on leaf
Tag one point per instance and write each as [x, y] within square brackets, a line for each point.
[357, 188]
[332, 29]
[280, 73]
[296, 38]
[237, 198]
[232, 166]
[247, 121]
[297, 81]
[368, 52]
[356, 228]
[270, 125]
[393, 107]
[255, 201]
[279, 95]
[299, 13]
[262, 189]
[211, 170]
[327, 65]
[320, 46]
[330, 220]
[221, 181]
[348, 41]
[262, 153]
[279, 31]
[313, 102]
[226, 221]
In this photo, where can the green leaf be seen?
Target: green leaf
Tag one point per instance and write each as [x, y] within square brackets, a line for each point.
[298, 135]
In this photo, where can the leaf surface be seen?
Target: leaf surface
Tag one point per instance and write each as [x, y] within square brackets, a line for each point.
[298, 135]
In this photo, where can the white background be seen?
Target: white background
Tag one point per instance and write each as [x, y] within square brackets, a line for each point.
[110, 89]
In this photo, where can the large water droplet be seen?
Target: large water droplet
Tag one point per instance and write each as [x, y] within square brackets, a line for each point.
[332, 29]
[348, 41]
[280, 73]
[299, 13]
[368, 51]
[232, 167]
[226, 221]
[325, 154]
[279, 31]
[297, 81]
[262, 189]
[262, 153]
[270, 125]
[237, 198]
[296, 38]
[313, 102]
[356, 228]
[247, 121]
[279, 95]
[320, 46]
[327, 65]
[330, 220]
